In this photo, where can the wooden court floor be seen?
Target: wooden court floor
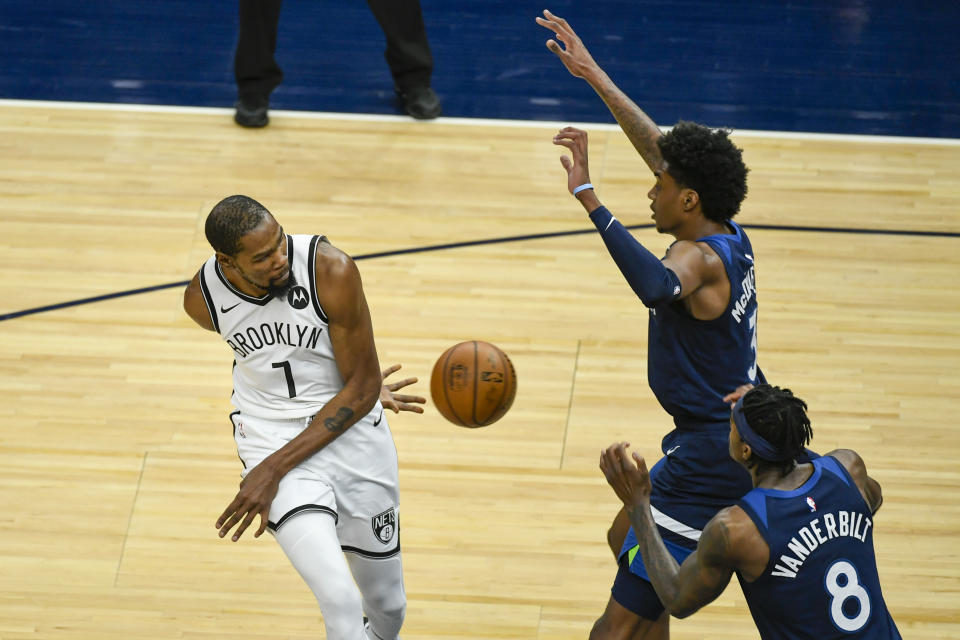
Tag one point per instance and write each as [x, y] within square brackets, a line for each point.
[117, 457]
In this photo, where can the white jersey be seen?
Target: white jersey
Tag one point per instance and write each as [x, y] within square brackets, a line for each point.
[283, 359]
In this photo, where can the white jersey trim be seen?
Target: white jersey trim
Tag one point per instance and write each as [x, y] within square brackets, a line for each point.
[675, 526]
[312, 263]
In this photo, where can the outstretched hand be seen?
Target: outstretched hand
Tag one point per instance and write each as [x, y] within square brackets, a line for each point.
[257, 491]
[573, 54]
[627, 475]
[398, 402]
[577, 166]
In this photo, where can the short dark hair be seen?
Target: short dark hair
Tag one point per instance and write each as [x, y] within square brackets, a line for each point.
[230, 220]
[780, 418]
[705, 160]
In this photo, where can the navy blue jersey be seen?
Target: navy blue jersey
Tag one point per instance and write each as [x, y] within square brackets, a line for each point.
[821, 581]
[692, 364]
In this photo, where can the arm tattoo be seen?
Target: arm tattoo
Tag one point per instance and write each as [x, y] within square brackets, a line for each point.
[717, 546]
[642, 132]
[656, 558]
[336, 423]
[702, 576]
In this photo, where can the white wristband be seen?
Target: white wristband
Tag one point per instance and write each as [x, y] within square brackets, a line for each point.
[585, 185]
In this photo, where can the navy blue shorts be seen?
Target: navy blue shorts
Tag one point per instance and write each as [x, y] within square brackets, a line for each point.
[635, 594]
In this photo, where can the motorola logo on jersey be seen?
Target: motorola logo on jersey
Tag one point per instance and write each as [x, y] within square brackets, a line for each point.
[385, 525]
[298, 298]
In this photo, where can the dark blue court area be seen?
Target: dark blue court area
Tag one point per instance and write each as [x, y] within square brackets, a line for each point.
[843, 66]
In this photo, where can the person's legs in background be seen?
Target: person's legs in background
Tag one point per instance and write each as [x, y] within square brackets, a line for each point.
[255, 67]
[408, 55]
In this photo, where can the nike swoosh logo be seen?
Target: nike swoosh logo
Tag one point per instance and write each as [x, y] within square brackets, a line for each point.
[378, 420]
[672, 449]
[224, 310]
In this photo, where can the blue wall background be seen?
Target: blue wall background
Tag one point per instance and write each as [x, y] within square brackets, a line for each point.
[845, 66]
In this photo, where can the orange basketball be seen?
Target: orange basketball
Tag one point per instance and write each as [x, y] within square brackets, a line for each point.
[473, 384]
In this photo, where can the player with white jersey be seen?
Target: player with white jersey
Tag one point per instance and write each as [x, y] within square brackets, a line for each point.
[319, 462]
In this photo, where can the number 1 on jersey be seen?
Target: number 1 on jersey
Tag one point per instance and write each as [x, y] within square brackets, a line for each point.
[288, 374]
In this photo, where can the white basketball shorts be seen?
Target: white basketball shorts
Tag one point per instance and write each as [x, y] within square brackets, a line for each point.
[354, 479]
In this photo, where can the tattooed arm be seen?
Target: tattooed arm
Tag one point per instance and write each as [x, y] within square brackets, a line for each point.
[351, 334]
[642, 132]
[702, 577]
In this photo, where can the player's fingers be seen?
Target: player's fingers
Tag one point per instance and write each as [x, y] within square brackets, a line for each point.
[411, 407]
[738, 393]
[622, 456]
[229, 511]
[555, 19]
[543, 22]
[406, 382]
[264, 521]
[641, 463]
[605, 464]
[389, 370]
[229, 524]
[554, 46]
[611, 454]
[243, 525]
[407, 399]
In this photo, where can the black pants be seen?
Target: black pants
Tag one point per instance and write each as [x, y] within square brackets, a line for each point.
[257, 71]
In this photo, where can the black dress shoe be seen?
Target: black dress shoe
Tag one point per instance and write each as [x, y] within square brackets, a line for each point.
[251, 113]
[420, 102]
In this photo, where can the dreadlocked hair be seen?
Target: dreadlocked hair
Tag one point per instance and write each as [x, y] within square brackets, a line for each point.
[230, 220]
[781, 419]
[705, 160]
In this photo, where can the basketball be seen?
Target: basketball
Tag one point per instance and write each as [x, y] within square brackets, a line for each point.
[473, 384]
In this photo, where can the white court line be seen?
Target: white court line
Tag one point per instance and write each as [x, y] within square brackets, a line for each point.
[485, 122]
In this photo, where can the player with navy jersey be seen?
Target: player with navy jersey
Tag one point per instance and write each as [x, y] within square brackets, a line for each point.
[319, 462]
[702, 331]
[800, 542]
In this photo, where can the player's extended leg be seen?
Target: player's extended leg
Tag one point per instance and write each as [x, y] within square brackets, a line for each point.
[619, 623]
[384, 598]
[618, 531]
[310, 541]
[634, 612]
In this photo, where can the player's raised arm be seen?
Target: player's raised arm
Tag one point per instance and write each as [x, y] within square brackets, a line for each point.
[653, 282]
[642, 132]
